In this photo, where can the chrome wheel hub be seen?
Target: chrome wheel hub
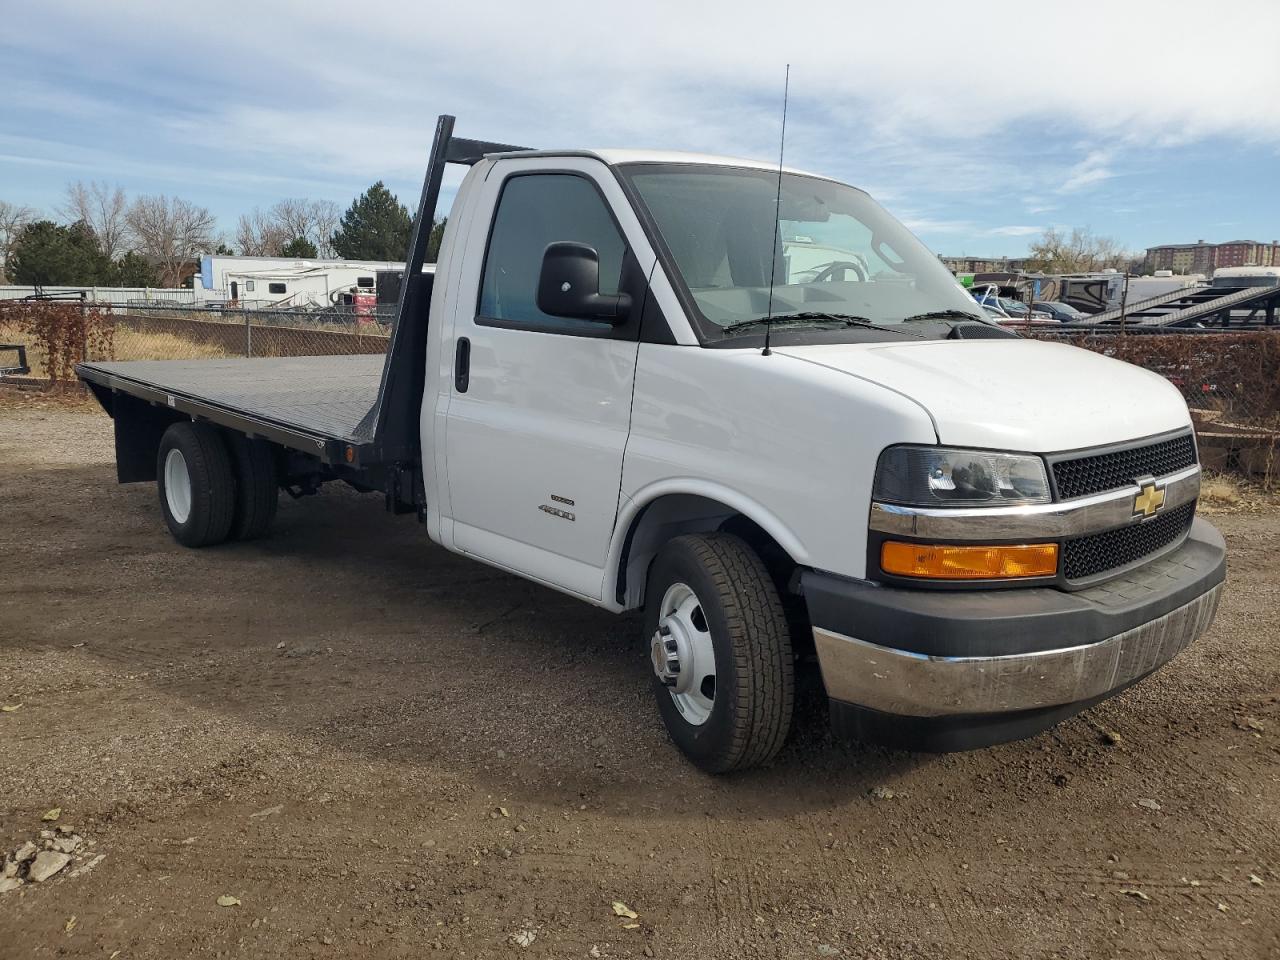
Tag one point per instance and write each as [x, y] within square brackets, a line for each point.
[683, 655]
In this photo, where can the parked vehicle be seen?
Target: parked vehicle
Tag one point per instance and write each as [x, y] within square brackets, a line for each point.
[613, 385]
[1109, 289]
[1057, 310]
[1007, 309]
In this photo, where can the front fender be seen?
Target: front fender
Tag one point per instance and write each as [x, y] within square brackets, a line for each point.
[734, 501]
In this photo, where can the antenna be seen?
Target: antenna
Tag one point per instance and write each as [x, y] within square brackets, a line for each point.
[777, 215]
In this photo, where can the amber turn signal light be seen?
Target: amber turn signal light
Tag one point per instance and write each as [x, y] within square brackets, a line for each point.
[969, 562]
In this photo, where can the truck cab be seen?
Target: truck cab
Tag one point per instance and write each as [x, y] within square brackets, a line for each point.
[749, 403]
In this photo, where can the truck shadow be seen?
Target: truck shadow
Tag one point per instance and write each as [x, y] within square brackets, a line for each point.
[348, 628]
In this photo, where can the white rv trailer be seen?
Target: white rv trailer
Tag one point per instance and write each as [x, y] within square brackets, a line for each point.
[286, 281]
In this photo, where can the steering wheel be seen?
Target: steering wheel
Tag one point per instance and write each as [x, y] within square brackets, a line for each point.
[842, 267]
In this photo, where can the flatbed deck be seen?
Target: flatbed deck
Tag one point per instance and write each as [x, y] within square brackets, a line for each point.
[316, 404]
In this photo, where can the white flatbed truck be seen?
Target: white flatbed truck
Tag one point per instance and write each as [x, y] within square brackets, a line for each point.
[616, 385]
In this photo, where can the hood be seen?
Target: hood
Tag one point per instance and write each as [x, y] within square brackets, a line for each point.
[1014, 394]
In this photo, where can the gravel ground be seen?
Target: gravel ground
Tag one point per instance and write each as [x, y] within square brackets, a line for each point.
[377, 749]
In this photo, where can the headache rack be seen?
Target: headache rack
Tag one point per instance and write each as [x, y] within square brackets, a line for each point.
[392, 423]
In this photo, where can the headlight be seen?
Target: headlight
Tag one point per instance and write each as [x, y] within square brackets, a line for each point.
[939, 477]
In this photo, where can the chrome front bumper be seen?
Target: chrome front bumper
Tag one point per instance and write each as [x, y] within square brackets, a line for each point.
[904, 683]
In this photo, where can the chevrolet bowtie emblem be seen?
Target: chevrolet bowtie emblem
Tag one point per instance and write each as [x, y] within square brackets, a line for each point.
[1149, 500]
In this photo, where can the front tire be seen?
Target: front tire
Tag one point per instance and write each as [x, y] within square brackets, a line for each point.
[720, 648]
[196, 484]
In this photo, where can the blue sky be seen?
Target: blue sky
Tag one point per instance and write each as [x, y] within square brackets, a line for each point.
[1148, 122]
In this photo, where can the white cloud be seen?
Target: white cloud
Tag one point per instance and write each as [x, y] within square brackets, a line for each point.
[681, 72]
[1093, 169]
[1015, 230]
[927, 226]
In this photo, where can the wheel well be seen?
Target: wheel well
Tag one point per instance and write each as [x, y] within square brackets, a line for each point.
[677, 514]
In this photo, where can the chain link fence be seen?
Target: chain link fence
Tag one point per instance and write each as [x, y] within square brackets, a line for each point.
[57, 334]
[1230, 380]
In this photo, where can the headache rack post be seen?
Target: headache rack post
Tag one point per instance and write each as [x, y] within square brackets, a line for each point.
[394, 425]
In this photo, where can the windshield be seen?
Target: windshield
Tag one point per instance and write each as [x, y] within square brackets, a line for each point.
[837, 251]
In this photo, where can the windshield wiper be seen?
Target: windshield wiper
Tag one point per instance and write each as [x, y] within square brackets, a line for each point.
[945, 315]
[810, 316]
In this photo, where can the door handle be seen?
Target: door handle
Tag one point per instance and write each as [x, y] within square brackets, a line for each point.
[462, 365]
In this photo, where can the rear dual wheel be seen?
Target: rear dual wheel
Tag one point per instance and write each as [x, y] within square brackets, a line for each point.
[214, 486]
[720, 648]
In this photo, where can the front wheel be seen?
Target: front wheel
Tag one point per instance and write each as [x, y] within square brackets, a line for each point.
[721, 652]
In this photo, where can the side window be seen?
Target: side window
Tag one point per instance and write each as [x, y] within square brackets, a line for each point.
[535, 210]
[275, 288]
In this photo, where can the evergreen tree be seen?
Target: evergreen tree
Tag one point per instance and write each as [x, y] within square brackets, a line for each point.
[47, 254]
[433, 242]
[375, 227]
[135, 270]
[299, 247]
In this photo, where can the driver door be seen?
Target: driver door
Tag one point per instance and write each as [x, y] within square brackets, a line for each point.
[537, 428]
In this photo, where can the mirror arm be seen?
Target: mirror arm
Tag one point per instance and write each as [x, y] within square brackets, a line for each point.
[616, 307]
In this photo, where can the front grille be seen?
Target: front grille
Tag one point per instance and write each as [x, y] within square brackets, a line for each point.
[1111, 471]
[1089, 556]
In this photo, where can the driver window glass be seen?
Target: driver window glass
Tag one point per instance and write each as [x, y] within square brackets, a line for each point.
[536, 210]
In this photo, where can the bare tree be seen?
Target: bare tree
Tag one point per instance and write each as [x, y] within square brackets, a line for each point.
[13, 218]
[265, 233]
[325, 217]
[1079, 251]
[171, 232]
[259, 235]
[105, 209]
[294, 217]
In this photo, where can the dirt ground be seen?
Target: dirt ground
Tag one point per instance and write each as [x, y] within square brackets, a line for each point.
[383, 750]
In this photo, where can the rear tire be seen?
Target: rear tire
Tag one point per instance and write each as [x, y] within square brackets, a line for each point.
[196, 484]
[712, 594]
[257, 493]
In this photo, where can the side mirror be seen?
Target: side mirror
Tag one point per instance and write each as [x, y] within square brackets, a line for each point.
[569, 286]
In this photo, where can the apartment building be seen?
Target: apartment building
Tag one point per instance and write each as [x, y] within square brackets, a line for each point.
[1202, 257]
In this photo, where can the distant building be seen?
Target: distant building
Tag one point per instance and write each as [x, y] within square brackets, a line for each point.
[1247, 253]
[1202, 257]
[984, 264]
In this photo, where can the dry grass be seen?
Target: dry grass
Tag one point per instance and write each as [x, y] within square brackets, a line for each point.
[1232, 493]
[129, 345]
[1219, 491]
[132, 345]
